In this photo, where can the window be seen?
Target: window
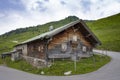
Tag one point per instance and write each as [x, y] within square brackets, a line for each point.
[64, 47]
[40, 48]
[74, 38]
[84, 49]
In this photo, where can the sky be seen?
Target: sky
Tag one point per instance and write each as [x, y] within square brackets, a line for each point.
[24, 13]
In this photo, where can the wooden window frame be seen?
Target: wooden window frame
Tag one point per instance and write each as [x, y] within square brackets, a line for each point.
[64, 47]
[41, 48]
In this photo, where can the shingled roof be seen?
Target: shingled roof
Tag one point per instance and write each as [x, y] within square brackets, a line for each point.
[83, 29]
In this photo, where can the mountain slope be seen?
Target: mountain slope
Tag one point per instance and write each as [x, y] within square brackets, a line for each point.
[108, 31]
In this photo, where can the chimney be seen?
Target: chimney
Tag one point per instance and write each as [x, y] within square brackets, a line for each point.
[51, 28]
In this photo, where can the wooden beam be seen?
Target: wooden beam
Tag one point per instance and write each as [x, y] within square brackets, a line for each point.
[88, 35]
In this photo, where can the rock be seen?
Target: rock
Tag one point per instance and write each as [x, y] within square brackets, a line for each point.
[67, 73]
[49, 65]
[42, 72]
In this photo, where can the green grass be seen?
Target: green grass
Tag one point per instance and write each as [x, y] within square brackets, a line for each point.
[84, 65]
[108, 31]
[1, 61]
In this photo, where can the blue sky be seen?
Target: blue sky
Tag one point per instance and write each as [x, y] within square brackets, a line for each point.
[23, 13]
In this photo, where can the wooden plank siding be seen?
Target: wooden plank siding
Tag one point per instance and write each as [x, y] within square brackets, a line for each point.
[37, 49]
[65, 36]
[55, 49]
[23, 48]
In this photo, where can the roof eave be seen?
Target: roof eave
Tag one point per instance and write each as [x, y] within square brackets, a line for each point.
[87, 28]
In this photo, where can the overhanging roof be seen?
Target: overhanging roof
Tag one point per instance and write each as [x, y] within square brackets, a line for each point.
[62, 28]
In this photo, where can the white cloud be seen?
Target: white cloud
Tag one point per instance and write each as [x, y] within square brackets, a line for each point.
[42, 11]
[1, 15]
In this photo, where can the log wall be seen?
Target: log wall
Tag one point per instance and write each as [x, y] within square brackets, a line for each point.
[36, 49]
[65, 36]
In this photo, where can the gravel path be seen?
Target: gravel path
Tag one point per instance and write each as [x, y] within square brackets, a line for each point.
[111, 71]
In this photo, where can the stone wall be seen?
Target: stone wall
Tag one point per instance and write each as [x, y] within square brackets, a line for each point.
[36, 62]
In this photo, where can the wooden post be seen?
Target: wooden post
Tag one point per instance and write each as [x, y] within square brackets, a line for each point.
[46, 51]
[74, 47]
[75, 65]
[94, 60]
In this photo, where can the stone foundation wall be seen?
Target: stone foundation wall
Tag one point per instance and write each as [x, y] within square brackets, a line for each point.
[36, 62]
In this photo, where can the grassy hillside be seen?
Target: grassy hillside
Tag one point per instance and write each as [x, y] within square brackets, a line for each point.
[108, 31]
[9, 39]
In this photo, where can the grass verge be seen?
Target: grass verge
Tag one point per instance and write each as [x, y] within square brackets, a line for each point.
[84, 65]
[1, 61]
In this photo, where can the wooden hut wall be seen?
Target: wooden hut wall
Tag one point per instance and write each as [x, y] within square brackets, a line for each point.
[65, 36]
[36, 49]
[23, 48]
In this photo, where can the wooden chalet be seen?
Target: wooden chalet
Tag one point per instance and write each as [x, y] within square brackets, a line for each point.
[72, 40]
